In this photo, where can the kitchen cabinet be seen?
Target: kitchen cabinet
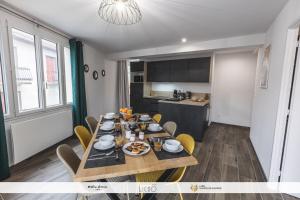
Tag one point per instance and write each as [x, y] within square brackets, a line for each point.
[179, 71]
[150, 106]
[137, 66]
[198, 70]
[182, 70]
[158, 71]
[136, 96]
[190, 119]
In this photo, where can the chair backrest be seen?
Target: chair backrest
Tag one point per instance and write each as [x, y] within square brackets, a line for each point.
[68, 157]
[170, 127]
[188, 143]
[157, 117]
[83, 135]
[92, 123]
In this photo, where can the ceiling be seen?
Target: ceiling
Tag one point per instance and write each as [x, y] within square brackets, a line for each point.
[164, 22]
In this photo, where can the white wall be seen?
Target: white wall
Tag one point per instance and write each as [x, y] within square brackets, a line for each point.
[95, 97]
[265, 105]
[111, 86]
[233, 89]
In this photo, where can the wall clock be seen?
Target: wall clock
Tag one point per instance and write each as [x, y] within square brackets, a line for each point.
[86, 68]
[95, 75]
[103, 72]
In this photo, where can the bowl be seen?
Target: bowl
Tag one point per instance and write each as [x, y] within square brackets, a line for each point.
[172, 145]
[144, 116]
[106, 140]
[108, 124]
[109, 115]
[154, 126]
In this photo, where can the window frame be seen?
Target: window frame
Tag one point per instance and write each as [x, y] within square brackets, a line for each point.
[39, 33]
[61, 102]
[64, 74]
[29, 29]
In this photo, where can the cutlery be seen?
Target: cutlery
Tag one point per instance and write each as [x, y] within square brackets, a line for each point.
[117, 156]
[103, 154]
[90, 159]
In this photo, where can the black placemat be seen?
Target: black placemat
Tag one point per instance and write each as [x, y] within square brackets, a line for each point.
[109, 161]
[164, 155]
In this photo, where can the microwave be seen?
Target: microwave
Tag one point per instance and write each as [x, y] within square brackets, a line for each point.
[138, 78]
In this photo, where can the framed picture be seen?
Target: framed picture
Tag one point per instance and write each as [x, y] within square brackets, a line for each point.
[265, 68]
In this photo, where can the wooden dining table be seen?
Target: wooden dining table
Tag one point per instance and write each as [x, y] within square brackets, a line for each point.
[133, 165]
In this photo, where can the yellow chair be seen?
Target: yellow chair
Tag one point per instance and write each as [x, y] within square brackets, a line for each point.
[157, 117]
[188, 143]
[83, 135]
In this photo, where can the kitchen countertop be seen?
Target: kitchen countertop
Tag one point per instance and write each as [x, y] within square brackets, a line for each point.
[187, 102]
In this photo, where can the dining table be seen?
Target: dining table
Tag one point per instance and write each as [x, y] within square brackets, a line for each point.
[130, 165]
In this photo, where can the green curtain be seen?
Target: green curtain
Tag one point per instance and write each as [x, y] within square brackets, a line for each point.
[79, 97]
[4, 166]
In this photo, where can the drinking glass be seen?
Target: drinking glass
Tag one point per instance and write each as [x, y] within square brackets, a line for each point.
[143, 126]
[119, 141]
[157, 144]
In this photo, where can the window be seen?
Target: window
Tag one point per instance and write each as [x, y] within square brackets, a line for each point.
[2, 92]
[25, 70]
[68, 75]
[51, 73]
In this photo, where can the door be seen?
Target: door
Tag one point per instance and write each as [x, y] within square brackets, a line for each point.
[290, 162]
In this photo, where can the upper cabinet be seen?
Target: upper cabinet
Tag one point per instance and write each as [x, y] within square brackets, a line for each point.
[158, 71]
[179, 71]
[137, 66]
[199, 70]
[184, 70]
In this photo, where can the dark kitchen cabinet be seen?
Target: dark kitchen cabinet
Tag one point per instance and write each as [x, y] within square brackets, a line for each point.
[179, 71]
[137, 66]
[199, 70]
[158, 71]
[136, 97]
[183, 70]
[150, 106]
[189, 119]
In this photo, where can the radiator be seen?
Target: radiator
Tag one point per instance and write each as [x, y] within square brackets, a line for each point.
[32, 136]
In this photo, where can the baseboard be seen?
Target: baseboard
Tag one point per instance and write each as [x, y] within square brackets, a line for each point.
[260, 166]
[212, 122]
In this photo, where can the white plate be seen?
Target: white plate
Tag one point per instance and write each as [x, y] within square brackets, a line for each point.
[177, 151]
[104, 128]
[133, 154]
[98, 146]
[156, 130]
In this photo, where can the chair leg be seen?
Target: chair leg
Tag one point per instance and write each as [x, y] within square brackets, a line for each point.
[181, 197]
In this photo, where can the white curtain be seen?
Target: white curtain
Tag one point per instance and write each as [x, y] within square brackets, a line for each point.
[122, 84]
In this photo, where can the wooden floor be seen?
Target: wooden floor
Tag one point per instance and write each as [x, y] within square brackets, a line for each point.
[226, 154]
